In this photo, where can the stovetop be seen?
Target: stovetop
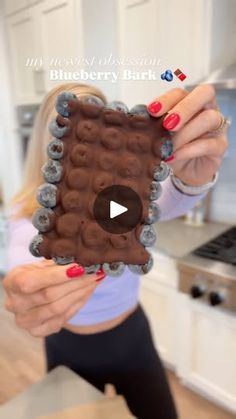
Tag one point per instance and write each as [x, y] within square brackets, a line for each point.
[222, 248]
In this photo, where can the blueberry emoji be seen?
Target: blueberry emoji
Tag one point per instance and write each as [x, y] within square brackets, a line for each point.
[167, 75]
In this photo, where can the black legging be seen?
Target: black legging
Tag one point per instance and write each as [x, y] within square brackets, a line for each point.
[123, 356]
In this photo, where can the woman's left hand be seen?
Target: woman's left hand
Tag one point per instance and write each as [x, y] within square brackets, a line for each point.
[192, 118]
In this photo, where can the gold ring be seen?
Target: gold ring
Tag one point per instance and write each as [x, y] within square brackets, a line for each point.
[224, 122]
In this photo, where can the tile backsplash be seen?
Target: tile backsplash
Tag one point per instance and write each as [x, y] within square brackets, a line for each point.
[223, 204]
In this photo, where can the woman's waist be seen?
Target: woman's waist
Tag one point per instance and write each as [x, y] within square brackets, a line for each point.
[102, 326]
[110, 303]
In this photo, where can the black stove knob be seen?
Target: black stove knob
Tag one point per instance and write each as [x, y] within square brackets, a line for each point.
[215, 298]
[196, 291]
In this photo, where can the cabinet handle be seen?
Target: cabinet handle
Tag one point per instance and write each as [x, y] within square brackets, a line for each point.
[133, 3]
[39, 81]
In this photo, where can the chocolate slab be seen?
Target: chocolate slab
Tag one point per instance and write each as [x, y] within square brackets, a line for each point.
[94, 147]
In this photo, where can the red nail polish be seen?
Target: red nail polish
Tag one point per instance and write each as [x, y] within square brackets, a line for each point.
[171, 121]
[100, 271]
[101, 277]
[154, 107]
[74, 271]
[170, 158]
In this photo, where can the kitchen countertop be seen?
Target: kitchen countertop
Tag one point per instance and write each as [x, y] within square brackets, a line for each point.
[175, 238]
[58, 390]
[61, 390]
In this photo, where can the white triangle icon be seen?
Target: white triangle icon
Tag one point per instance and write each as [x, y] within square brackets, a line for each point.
[116, 209]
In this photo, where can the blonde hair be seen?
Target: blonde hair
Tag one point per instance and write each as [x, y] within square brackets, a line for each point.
[25, 200]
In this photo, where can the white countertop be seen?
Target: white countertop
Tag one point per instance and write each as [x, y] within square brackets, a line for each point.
[175, 238]
[58, 390]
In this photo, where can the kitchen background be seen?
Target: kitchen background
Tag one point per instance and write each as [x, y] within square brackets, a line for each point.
[191, 300]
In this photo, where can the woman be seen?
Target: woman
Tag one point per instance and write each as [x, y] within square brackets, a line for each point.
[91, 323]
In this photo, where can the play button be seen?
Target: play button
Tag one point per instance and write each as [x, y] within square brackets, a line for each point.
[118, 209]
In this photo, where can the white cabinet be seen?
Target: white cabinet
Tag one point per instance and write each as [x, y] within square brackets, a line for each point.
[21, 40]
[206, 350]
[12, 6]
[158, 297]
[159, 305]
[186, 34]
[60, 38]
[46, 36]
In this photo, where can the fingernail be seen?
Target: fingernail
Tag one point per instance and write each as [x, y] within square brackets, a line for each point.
[154, 107]
[100, 271]
[74, 271]
[171, 121]
[170, 158]
[101, 277]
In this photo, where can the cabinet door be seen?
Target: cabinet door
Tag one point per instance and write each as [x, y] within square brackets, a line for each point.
[169, 37]
[138, 40]
[59, 38]
[159, 304]
[12, 6]
[20, 29]
[206, 346]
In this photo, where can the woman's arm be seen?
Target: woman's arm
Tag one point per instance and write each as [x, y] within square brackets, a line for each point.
[174, 203]
[20, 234]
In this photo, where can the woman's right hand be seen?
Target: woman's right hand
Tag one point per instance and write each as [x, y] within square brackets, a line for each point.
[43, 296]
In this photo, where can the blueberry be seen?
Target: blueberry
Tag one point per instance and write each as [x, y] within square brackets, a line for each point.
[63, 260]
[116, 105]
[154, 213]
[55, 149]
[156, 190]
[148, 236]
[56, 130]
[163, 76]
[34, 245]
[161, 172]
[91, 269]
[42, 219]
[94, 100]
[142, 269]
[52, 171]
[47, 195]
[114, 268]
[169, 76]
[62, 103]
[140, 110]
[166, 149]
